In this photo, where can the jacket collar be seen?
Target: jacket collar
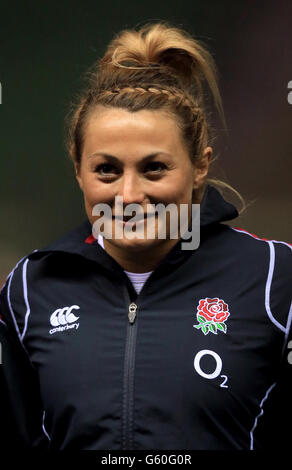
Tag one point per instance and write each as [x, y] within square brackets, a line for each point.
[214, 209]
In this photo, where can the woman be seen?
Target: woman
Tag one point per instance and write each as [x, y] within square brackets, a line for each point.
[134, 342]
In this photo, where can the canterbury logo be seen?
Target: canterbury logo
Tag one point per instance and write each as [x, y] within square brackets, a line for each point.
[64, 318]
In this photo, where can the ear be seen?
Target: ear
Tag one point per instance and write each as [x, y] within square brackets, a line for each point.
[77, 174]
[202, 167]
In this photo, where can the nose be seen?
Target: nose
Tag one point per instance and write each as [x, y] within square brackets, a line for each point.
[131, 189]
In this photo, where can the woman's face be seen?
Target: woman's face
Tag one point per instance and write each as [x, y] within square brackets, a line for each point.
[141, 157]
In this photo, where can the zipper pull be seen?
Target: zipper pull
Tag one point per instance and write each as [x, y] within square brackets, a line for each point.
[132, 312]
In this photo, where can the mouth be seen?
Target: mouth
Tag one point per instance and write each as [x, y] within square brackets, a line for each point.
[126, 218]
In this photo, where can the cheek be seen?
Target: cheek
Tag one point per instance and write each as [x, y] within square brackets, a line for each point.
[179, 190]
[96, 192]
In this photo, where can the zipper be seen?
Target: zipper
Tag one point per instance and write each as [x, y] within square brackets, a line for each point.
[132, 312]
[129, 362]
[129, 369]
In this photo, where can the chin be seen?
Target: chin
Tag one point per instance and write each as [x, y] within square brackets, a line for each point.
[137, 245]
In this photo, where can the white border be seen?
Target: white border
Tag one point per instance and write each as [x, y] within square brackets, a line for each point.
[260, 414]
[284, 329]
[24, 280]
[43, 426]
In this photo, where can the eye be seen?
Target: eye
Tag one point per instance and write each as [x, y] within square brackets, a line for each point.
[156, 167]
[105, 169]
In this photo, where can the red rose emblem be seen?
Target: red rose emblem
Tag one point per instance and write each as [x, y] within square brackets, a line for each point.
[215, 310]
[211, 315]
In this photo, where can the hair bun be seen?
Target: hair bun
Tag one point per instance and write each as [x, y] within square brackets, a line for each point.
[169, 48]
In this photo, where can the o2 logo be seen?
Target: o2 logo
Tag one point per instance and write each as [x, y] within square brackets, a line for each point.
[217, 370]
[289, 97]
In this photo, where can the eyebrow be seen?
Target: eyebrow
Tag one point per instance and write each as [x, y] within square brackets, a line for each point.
[116, 160]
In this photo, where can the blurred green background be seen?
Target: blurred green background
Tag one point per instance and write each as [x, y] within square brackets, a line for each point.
[45, 47]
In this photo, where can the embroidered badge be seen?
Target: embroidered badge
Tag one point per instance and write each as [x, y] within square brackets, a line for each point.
[211, 315]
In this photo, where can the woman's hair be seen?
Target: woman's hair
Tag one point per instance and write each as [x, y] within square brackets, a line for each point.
[158, 67]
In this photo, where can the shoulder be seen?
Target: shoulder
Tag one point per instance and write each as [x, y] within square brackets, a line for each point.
[34, 266]
[249, 236]
[69, 240]
[249, 250]
[251, 242]
[277, 250]
[13, 298]
[277, 253]
[270, 262]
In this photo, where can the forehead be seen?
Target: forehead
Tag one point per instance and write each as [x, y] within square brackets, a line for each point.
[117, 128]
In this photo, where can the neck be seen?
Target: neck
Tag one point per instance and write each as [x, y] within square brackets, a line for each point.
[139, 261]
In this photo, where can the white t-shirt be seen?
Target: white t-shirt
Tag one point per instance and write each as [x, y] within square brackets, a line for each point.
[138, 279]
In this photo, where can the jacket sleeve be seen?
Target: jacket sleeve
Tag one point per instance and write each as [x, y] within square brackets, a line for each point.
[274, 427]
[20, 401]
[275, 420]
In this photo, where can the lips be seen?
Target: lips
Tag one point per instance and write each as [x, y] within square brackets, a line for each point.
[126, 218]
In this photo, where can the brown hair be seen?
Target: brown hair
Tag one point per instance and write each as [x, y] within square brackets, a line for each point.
[157, 67]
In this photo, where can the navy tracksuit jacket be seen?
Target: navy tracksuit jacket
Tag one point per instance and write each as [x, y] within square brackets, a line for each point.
[198, 360]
